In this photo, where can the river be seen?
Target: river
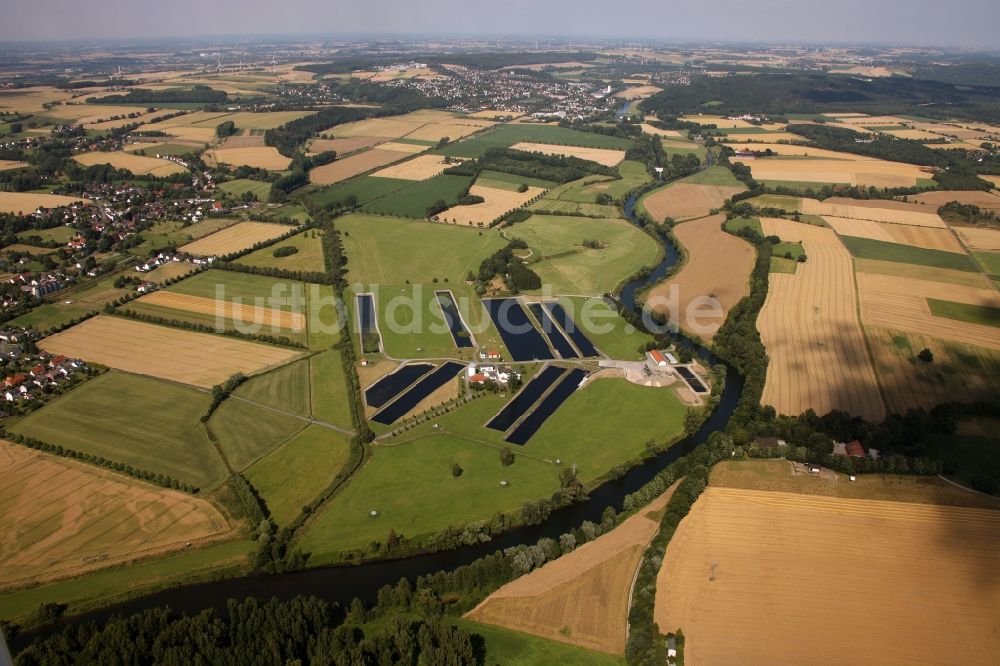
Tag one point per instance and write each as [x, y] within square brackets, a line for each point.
[343, 583]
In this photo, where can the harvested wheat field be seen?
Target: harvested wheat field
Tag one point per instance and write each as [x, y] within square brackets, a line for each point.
[580, 598]
[683, 201]
[913, 134]
[985, 200]
[656, 131]
[199, 359]
[873, 173]
[259, 157]
[391, 126]
[788, 149]
[958, 369]
[718, 121]
[901, 303]
[420, 167]
[749, 140]
[891, 212]
[243, 141]
[345, 145]
[63, 518]
[456, 129]
[993, 179]
[807, 579]
[976, 238]
[137, 164]
[497, 203]
[638, 92]
[342, 169]
[28, 202]
[121, 122]
[927, 237]
[718, 267]
[235, 238]
[408, 148]
[226, 311]
[603, 156]
[809, 326]
[950, 276]
[11, 164]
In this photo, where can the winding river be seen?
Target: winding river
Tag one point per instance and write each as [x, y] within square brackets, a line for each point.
[343, 583]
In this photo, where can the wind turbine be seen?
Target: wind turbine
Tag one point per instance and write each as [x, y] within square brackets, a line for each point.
[274, 63]
[219, 67]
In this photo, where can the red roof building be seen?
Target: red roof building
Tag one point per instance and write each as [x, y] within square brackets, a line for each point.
[658, 358]
[478, 379]
[855, 450]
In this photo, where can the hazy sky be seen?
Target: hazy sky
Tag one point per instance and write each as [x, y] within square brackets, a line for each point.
[966, 22]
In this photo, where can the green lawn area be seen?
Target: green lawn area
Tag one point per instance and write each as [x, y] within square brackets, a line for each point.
[563, 263]
[324, 316]
[409, 481]
[974, 314]
[414, 200]
[970, 454]
[866, 248]
[505, 136]
[738, 223]
[574, 208]
[791, 204]
[782, 265]
[151, 424]
[513, 648]
[386, 250]
[241, 186]
[297, 472]
[787, 250]
[716, 175]
[509, 181]
[608, 331]
[247, 432]
[633, 174]
[329, 389]
[364, 189]
[110, 585]
[59, 234]
[285, 388]
[309, 257]
[990, 261]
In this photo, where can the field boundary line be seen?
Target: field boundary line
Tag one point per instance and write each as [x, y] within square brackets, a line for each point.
[865, 336]
[308, 419]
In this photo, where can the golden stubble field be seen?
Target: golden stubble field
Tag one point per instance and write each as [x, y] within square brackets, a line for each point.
[28, 202]
[356, 164]
[137, 164]
[259, 157]
[242, 312]
[867, 172]
[810, 328]
[62, 518]
[580, 598]
[683, 201]
[718, 266]
[420, 167]
[976, 238]
[235, 238]
[497, 203]
[926, 237]
[198, 359]
[603, 156]
[806, 579]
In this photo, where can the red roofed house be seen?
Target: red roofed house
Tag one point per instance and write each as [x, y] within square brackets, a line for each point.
[478, 379]
[38, 370]
[14, 380]
[658, 358]
[56, 360]
[491, 354]
[855, 450]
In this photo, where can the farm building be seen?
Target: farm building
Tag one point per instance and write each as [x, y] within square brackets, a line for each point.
[769, 444]
[855, 450]
[658, 358]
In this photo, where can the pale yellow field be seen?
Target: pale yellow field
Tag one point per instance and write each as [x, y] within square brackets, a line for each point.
[456, 129]
[898, 269]
[235, 238]
[248, 120]
[492, 115]
[122, 122]
[639, 92]
[10, 164]
[391, 126]
[805, 579]
[656, 131]
[735, 140]
[225, 310]
[408, 148]
[915, 134]
[343, 146]
[987, 200]
[201, 135]
[84, 114]
[708, 247]
[243, 141]
[683, 201]
[199, 359]
[878, 210]
[993, 179]
[934, 239]
[30, 100]
[955, 145]
[339, 170]
[260, 157]
[599, 155]
[193, 118]
[718, 121]
[137, 164]
[788, 149]
[582, 597]
[497, 203]
[27, 202]
[871, 121]
[63, 518]
[873, 173]
[809, 326]
[901, 304]
[420, 167]
[976, 238]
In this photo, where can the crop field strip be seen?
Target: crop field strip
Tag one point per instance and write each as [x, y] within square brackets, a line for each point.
[393, 384]
[810, 328]
[497, 202]
[924, 237]
[136, 164]
[684, 201]
[548, 406]
[22, 203]
[235, 238]
[417, 392]
[226, 311]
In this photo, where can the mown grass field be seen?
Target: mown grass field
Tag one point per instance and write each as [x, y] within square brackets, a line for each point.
[151, 424]
[715, 175]
[513, 648]
[294, 474]
[561, 260]
[329, 394]
[737, 223]
[414, 200]
[365, 189]
[247, 432]
[990, 261]
[69, 305]
[285, 388]
[866, 248]
[621, 341]
[60, 234]
[309, 257]
[507, 135]
[241, 186]
[409, 481]
[509, 181]
[975, 314]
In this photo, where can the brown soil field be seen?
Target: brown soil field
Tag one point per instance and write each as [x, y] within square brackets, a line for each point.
[969, 371]
[808, 579]
[420, 167]
[10, 164]
[345, 145]
[63, 518]
[809, 325]
[976, 238]
[639, 92]
[243, 141]
[260, 157]
[656, 131]
[708, 248]
[339, 170]
[935, 239]
[901, 304]
[199, 359]
[932, 274]
[987, 200]
[497, 203]
[235, 238]
[582, 597]
[600, 155]
[875, 173]
[225, 311]
[683, 201]
[28, 202]
[137, 164]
